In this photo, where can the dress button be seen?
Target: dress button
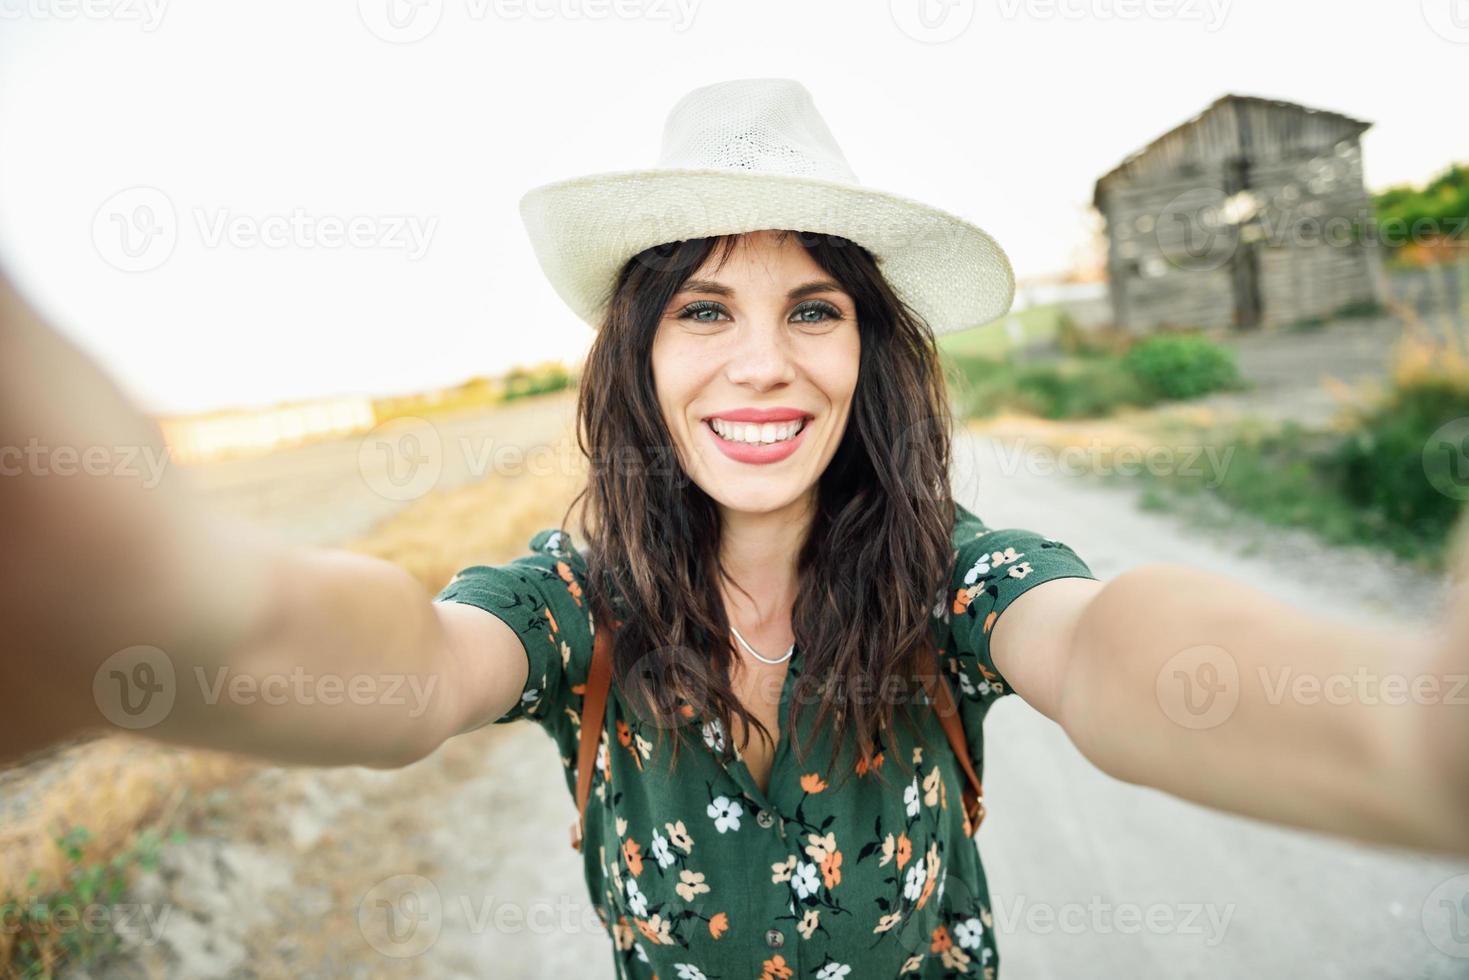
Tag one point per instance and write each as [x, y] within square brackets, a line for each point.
[765, 818]
[774, 938]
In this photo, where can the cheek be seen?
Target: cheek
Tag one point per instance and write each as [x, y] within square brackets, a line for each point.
[677, 381]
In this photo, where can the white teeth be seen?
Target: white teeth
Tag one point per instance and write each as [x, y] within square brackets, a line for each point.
[751, 433]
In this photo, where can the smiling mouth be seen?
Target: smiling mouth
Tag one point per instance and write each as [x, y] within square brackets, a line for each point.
[756, 433]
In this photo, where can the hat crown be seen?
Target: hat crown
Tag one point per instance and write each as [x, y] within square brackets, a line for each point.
[768, 125]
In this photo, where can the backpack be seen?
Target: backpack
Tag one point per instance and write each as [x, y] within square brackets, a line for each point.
[594, 705]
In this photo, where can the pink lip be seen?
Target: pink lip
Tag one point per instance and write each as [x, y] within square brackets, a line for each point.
[745, 452]
[760, 415]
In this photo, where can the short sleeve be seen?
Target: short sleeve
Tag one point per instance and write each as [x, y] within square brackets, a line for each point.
[992, 569]
[542, 597]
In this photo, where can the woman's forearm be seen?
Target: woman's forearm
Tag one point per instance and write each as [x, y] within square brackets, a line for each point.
[343, 661]
[126, 606]
[1216, 692]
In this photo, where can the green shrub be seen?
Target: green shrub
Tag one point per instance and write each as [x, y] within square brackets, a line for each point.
[1181, 366]
[1381, 465]
[1081, 387]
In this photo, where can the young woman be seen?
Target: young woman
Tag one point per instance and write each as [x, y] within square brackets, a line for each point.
[772, 556]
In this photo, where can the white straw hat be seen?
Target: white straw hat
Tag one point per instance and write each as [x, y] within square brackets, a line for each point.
[747, 155]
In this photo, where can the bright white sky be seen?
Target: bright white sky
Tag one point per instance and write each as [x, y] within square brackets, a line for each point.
[248, 111]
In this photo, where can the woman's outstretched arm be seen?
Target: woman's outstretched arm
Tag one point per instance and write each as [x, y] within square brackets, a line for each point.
[1212, 690]
[125, 606]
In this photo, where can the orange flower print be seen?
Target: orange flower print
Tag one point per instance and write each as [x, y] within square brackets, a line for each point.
[963, 598]
[932, 875]
[905, 850]
[941, 940]
[718, 924]
[564, 570]
[989, 621]
[624, 736]
[927, 891]
[831, 869]
[775, 969]
[812, 783]
[554, 627]
[632, 853]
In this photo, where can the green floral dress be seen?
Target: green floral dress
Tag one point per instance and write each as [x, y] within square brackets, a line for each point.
[699, 874]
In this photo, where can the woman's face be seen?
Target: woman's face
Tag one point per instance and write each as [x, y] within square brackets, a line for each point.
[755, 366]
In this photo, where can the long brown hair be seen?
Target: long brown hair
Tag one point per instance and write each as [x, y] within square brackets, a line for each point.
[878, 554]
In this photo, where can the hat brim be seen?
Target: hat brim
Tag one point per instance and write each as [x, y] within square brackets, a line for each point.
[584, 229]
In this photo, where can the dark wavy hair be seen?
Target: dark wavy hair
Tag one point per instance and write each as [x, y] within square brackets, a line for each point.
[878, 553]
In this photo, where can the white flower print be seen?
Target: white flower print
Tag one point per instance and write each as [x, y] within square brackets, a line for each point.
[913, 884]
[687, 971]
[714, 735]
[660, 850]
[910, 797]
[969, 933]
[637, 902]
[805, 882]
[981, 567]
[833, 971]
[725, 813]
[1021, 570]
[966, 686]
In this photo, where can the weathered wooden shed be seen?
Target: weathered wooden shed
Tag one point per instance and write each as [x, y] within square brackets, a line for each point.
[1247, 215]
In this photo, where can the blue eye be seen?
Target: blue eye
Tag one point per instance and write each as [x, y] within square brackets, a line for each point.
[692, 311]
[827, 311]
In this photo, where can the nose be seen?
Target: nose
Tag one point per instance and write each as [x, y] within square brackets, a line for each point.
[761, 357]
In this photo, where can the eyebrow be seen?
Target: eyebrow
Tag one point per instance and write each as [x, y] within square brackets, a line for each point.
[800, 292]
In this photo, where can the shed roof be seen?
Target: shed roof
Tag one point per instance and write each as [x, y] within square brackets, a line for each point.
[1348, 122]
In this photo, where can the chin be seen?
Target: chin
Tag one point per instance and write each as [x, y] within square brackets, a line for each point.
[755, 496]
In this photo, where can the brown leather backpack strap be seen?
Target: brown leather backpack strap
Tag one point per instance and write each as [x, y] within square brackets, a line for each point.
[953, 722]
[594, 706]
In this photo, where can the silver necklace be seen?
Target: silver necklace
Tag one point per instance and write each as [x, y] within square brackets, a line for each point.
[756, 654]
